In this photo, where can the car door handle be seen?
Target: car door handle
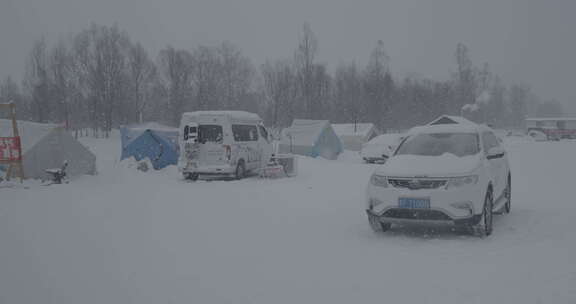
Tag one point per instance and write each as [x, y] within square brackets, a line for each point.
[495, 156]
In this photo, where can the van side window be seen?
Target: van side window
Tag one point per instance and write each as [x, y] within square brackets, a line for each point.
[244, 133]
[210, 133]
[263, 132]
[190, 133]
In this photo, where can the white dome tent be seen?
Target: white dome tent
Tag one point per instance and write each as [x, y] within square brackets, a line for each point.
[46, 146]
[354, 135]
[311, 138]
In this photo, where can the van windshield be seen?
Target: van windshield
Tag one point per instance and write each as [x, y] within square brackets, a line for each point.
[210, 133]
[436, 144]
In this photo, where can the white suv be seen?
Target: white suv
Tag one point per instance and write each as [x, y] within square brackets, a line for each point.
[447, 174]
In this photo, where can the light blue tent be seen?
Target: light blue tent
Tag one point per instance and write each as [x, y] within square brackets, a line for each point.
[157, 143]
[311, 138]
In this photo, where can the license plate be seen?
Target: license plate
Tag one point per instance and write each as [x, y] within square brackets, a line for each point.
[414, 203]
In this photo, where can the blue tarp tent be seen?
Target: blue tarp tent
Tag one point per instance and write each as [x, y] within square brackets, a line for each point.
[157, 143]
[311, 138]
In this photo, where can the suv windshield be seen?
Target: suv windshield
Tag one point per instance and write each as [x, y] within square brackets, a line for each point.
[210, 133]
[436, 144]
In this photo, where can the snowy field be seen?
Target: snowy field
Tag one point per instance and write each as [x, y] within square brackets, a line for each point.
[129, 237]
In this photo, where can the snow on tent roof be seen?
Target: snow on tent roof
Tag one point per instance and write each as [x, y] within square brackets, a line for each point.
[30, 132]
[350, 129]
[305, 132]
[130, 133]
[450, 120]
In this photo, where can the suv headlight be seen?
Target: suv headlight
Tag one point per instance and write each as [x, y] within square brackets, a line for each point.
[379, 180]
[456, 182]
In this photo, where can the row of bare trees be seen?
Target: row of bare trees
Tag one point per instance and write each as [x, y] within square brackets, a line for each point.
[99, 79]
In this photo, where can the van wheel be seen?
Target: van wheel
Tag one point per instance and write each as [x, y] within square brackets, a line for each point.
[191, 176]
[240, 170]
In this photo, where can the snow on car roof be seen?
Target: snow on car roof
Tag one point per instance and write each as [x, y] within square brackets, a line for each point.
[452, 128]
[236, 114]
[451, 120]
[445, 164]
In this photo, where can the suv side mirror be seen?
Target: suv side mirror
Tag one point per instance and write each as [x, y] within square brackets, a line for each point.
[387, 152]
[495, 152]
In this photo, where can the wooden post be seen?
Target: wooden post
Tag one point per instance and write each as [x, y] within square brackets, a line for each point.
[13, 164]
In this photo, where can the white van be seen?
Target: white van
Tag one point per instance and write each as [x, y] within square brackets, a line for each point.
[228, 143]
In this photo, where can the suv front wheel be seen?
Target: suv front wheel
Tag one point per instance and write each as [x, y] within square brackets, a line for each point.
[377, 225]
[484, 227]
[508, 195]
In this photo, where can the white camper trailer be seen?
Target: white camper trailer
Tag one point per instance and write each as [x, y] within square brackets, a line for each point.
[229, 143]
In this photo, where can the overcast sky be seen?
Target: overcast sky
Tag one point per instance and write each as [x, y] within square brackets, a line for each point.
[528, 41]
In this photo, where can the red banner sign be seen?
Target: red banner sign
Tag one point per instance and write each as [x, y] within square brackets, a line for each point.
[10, 149]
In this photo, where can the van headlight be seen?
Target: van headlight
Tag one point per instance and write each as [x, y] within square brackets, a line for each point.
[379, 180]
[456, 182]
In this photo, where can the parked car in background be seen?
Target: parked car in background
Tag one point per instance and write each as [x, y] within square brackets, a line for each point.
[226, 143]
[551, 128]
[379, 148]
[442, 174]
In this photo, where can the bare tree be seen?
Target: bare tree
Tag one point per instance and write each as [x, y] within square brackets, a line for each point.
[10, 92]
[207, 78]
[237, 76]
[496, 110]
[99, 79]
[378, 86]
[348, 94]
[37, 82]
[280, 92]
[519, 95]
[110, 53]
[141, 78]
[466, 77]
[176, 73]
[305, 62]
[62, 75]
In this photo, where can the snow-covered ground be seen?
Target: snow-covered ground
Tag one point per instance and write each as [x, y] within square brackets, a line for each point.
[129, 237]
